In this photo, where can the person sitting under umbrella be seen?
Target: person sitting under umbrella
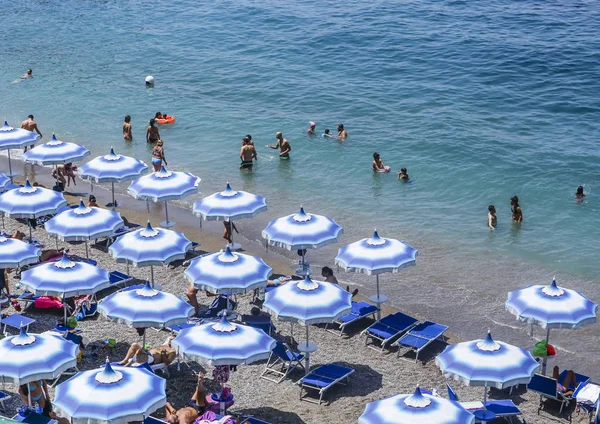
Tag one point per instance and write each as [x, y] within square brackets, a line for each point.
[196, 406]
[564, 387]
[38, 390]
[137, 355]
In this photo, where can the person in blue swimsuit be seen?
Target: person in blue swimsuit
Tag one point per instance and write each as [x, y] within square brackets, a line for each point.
[38, 390]
[158, 156]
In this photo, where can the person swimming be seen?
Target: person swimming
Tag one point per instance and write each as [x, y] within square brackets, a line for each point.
[326, 134]
[378, 165]
[311, 128]
[403, 175]
[579, 194]
[517, 213]
[492, 219]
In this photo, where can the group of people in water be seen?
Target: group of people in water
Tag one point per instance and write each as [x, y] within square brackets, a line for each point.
[379, 166]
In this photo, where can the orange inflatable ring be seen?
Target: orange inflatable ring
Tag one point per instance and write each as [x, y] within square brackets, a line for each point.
[168, 120]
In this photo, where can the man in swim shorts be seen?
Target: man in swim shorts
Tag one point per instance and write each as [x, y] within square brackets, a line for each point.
[247, 153]
[30, 125]
[283, 145]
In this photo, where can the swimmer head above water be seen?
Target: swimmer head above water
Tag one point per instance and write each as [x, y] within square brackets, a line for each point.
[149, 81]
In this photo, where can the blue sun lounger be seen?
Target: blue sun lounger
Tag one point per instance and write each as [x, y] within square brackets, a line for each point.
[547, 388]
[282, 361]
[388, 328]
[323, 378]
[359, 311]
[421, 336]
[503, 408]
[118, 278]
[252, 420]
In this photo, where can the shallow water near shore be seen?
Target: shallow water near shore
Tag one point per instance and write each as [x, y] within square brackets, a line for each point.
[479, 101]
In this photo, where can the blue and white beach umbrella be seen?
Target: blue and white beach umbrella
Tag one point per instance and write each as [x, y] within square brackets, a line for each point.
[224, 343]
[145, 307]
[308, 302]
[65, 278]
[230, 205]
[16, 253]
[112, 168]
[30, 357]
[84, 223]
[418, 408]
[551, 307]
[302, 231]
[163, 186]
[30, 202]
[227, 272]
[487, 363]
[55, 152]
[150, 246]
[374, 256]
[4, 182]
[15, 138]
[113, 394]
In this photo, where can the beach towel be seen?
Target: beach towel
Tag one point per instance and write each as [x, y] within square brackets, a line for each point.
[45, 302]
[589, 394]
[209, 417]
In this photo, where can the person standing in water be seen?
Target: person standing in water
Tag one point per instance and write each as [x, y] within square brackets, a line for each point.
[283, 145]
[342, 134]
[517, 213]
[127, 135]
[492, 219]
[247, 154]
[378, 165]
[311, 128]
[158, 156]
[579, 194]
[30, 125]
[403, 175]
[152, 134]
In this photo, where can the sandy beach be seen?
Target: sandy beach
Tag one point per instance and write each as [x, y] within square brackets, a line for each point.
[377, 375]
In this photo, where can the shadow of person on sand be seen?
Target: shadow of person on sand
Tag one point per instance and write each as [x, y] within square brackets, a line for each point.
[269, 414]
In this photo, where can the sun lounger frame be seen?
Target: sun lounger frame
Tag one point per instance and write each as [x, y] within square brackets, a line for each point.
[549, 389]
[413, 332]
[322, 390]
[355, 318]
[287, 365]
[397, 332]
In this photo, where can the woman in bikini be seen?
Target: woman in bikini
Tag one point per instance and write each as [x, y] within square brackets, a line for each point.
[137, 355]
[38, 390]
[492, 219]
[152, 135]
[158, 156]
[378, 165]
[517, 213]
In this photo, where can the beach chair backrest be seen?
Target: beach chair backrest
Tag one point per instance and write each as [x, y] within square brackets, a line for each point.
[543, 384]
[281, 351]
[451, 393]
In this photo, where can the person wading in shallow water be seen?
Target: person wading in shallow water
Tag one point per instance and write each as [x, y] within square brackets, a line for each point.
[30, 125]
[517, 213]
[283, 145]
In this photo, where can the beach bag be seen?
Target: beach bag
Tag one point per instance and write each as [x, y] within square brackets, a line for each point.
[72, 322]
[543, 349]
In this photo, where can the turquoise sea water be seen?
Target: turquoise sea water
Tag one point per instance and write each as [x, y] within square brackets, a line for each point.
[479, 100]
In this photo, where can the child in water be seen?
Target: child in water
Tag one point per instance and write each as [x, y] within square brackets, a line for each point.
[378, 165]
[326, 134]
[403, 175]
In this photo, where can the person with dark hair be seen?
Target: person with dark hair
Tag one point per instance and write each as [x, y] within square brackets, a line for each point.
[228, 227]
[517, 213]
[38, 391]
[69, 172]
[92, 202]
[327, 273]
[247, 154]
[579, 194]
[403, 175]
[30, 125]
[152, 135]
[568, 383]
[492, 219]
[127, 134]
[378, 165]
[326, 134]
[249, 138]
[342, 133]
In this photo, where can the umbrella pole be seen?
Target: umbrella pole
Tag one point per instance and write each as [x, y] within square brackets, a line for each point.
[545, 358]
[87, 252]
[30, 235]
[485, 397]
[152, 275]
[148, 206]
[378, 304]
[167, 223]
[65, 310]
[10, 174]
[114, 202]
[144, 340]
[307, 353]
